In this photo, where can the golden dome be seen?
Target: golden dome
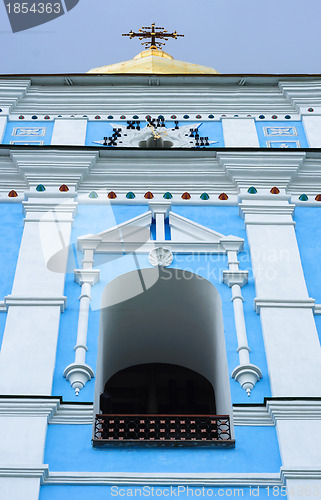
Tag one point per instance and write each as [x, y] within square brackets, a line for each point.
[155, 61]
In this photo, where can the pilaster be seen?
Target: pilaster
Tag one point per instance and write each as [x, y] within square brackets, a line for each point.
[240, 132]
[69, 132]
[29, 344]
[290, 335]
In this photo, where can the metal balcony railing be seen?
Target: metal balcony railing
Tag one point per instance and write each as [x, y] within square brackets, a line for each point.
[175, 430]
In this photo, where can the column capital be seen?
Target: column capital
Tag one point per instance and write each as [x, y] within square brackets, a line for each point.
[161, 207]
[90, 276]
[231, 278]
[262, 211]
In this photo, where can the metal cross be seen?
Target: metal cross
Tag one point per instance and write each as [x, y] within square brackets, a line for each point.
[153, 33]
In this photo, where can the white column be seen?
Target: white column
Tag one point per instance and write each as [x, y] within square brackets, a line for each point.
[240, 132]
[69, 132]
[159, 212]
[28, 352]
[79, 373]
[246, 373]
[312, 127]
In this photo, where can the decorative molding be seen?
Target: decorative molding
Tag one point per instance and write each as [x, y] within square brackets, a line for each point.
[291, 303]
[29, 407]
[54, 209]
[160, 478]
[231, 278]
[3, 306]
[237, 479]
[294, 409]
[54, 165]
[11, 300]
[73, 414]
[317, 309]
[78, 374]
[91, 276]
[252, 415]
[160, 256]
[25, 471]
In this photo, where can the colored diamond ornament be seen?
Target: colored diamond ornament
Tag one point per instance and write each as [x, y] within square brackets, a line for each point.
[13, 194]
[112, 195]
[40, 188]
[167, 196]
[223, 196]
[318, 197]
[303, 197]
[63, 188]
[252, 190]
[93, 195]
[205, 196]
[261, 117]
[148, 195]
[186, 196]
[287, 117]
[275, 190]
[130, 195]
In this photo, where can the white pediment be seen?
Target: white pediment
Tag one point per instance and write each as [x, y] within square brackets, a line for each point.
[134, 235]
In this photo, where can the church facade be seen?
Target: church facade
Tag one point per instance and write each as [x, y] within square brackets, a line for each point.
[160, 300]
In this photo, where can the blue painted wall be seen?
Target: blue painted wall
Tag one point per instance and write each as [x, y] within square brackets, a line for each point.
[266, 131]
[35, 140]
[107, 492]
[256, 450]
[11, 227]
[308, 231]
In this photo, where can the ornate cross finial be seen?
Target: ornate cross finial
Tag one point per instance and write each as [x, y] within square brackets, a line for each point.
[153, 33]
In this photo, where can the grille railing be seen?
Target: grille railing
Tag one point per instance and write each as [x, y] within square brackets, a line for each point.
[182, 430]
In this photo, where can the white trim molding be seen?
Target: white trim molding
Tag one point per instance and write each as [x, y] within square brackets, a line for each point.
[11, 300]
[290, 303]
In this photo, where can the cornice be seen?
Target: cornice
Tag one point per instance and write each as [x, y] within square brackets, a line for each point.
[28, 407]
[54, 166]
[12, 91]
[261, 169]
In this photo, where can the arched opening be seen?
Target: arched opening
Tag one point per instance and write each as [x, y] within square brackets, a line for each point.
[171, 330]
[155, 143]
[158, 388]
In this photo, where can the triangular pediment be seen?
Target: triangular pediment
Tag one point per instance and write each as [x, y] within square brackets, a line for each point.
[134, 235]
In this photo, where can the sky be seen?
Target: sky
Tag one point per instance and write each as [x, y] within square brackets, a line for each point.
[232, 36]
